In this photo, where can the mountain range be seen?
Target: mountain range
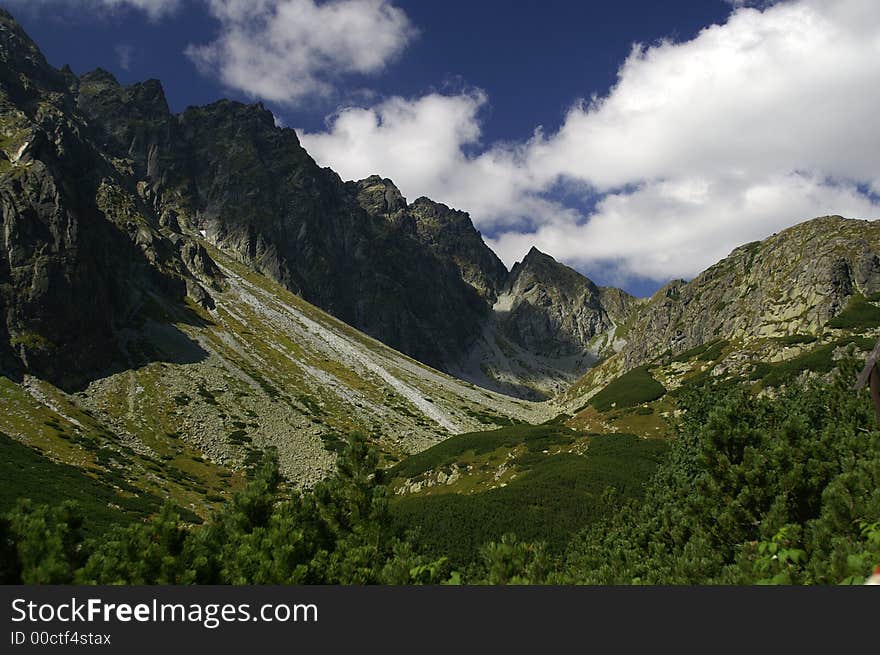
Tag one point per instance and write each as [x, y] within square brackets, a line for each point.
[179, 291]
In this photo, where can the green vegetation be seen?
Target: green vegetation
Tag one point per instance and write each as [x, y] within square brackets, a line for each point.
[630, 389]
[858, 314]
[706, 352]
[207, 395]
[27, 474]
[338, 534]
[752, 490]
[819, 360]
[760, 371]
[755, 490]
[795, 339]
[488, 418]
[535, 437]
[713, 351]
[239, 437]
[31, 340]
[557, 496]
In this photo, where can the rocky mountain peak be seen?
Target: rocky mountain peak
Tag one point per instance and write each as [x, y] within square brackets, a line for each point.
[793, 282]
[451, 235]
[255, 112]
[135, 178]
[538, 269]
[380, 195]
[21, 62]
[432, 211]
[101, 95]
[536, 255]
[99, 76]
[550, 324]
[536, 259]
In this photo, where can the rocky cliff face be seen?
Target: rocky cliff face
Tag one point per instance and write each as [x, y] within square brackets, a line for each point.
[771, 311]
[548, 326]
[137, 335]
[450, 235]
[82, 253]
[790, 283]
[552, 310]
[352, 248]
[121, 175]
[108, 202]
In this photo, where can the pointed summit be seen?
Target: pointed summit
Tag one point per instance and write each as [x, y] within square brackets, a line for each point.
[100, 76]
[380, 195]
[451, 235]
[21, 58]
[536, 259]
[540, 268]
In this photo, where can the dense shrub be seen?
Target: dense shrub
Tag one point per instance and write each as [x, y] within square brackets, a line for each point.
[632, 388]
[557, 496]
[858, 314]
[535, 437]
[818, 360]
[338, 534]
[749, 479]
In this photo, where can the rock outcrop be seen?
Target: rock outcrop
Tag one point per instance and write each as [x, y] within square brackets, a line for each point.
[131, 194]
[450, 235]
[351, 248]
[82, 252]
[110, 202]
[790, 283]
[553, 310]
[548, 326]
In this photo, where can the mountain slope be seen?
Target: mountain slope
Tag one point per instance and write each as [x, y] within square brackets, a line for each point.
[773, 314]
[793, 282]
[804, 290]
[262, 368]
[149, 329]
[227, 170]
[76, 233]
[548, 326]
[417, 276]
[451, 236]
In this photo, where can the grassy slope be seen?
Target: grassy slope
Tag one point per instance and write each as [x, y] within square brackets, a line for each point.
[456, 448]
[555, 496]
[65, 434]
[205, 390]
[630, 389]
[28, 474]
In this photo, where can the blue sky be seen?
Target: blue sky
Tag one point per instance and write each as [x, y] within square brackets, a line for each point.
[633, 164]
[532, 58]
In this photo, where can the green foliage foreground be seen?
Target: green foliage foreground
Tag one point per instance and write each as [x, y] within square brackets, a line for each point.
[552, 498]
[336, 534]
[752, 490]
[755, 490]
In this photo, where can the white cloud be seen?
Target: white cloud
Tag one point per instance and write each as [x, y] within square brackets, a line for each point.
[124, 51]
[288, 50]
[750, 127]
[677, 228]
[155, 9]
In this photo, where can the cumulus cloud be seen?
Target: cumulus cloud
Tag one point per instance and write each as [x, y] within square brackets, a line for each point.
[676, 228]
[155, 9]
[288, 50]
[751, 126]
